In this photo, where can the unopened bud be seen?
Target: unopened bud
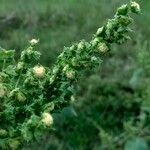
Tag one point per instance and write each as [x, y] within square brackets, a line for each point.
[102, 47]
[39, 71]
[47, 119]
[72, 98]
[33, 42]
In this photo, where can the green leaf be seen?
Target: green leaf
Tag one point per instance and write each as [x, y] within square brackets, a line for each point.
[6, 54]
[10, 70]
[136, 144]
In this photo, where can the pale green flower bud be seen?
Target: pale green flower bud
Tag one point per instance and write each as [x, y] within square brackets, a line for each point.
[102, 47]
[72, 98]
[34, 42]
[81, 45]
[39, 71]
[47, 119]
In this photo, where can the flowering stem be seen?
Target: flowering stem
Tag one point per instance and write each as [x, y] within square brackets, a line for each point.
[42, 91]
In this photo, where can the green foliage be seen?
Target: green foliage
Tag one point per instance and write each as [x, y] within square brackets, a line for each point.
[136, 144]
[36, 90]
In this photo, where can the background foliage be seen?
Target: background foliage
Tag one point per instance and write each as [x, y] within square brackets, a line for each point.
[112, 105]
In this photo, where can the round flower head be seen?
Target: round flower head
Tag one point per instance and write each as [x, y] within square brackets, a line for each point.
[72, 98]
[47, 119]
[39, 71]
[102, 47]
[34, 42]
[81, 46]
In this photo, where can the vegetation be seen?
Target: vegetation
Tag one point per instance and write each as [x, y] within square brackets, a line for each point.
[26, 102]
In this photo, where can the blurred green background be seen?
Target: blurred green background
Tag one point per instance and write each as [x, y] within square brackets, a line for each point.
[112, 104]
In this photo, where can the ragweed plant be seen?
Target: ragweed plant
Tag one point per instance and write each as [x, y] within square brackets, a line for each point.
[30, 93]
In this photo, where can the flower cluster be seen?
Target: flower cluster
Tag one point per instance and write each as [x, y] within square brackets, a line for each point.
[30, 93]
